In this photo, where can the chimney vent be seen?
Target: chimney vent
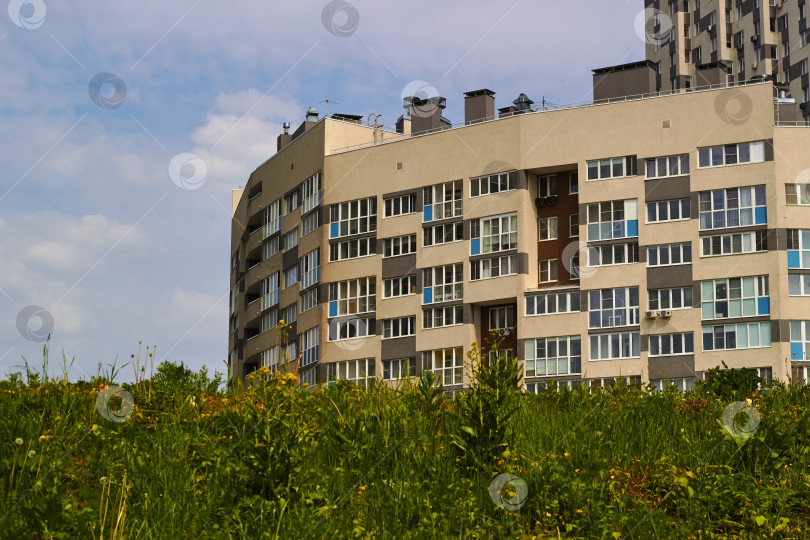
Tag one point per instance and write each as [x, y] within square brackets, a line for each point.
[312, 115]
[286, 126]
[479, 106]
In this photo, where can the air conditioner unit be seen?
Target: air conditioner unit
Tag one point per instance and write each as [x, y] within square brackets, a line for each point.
[540, 202]
[650, 314]
[754, 38]
[803, 106]
[552, 200]
[666, 313]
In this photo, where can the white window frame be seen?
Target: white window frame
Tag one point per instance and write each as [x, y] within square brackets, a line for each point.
[356, 371]
[573, 229]
[547, 185]
[731, 154]
[655, 296]
[662, 211]
[351, 328]
[549, 268]
[749, 239]
[272, 218]
[270, 247]
[626, 210]
[547, 229]
[392, 209]
[445, 198]
[605, 303]
[683, 251]
[799, 194]
[401, 283]
[271, 290]
[310, 269]
[311, 223]
[309, 300]
[677, 165]
[739, 291]
[446, 282]
[762, 329]
[399, 245]
[310, 346]
[680, 344]
[446, 233]
[291, 239]
[602, 346]
[355, 217]
[399, 327]
[311, 193]
[397, 369]
[553, 304]
[563, 356]
[491, 184]
[502, 318]
[629, 254]
[624, 163]
[447, 364]
[442, 317]
[351, 298]
[361, 247]
[732, 205]
[493, 267]
[497, 233]
[290, 276]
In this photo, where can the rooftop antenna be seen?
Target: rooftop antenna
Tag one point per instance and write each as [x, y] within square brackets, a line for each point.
[327, 104]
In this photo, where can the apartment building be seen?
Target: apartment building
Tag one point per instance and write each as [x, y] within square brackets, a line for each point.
[650, 239]
[694, 43]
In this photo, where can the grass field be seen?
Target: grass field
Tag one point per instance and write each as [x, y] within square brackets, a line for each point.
[178, 457]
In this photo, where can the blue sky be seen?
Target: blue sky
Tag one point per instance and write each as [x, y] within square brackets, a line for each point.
[92, 228]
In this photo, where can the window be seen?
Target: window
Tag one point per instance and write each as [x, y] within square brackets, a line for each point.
[272, 218]
[677, 298]
[291, 239]
[401, 205]
[667, 166]
[309, 300]
[442, 201]
[735, 207]
[573, 182]
[311, 223]
[669, 254]
[672, 344]
[799, 340]
[269, 358]
[553, 303]
[603, 169]
[269, 320]
[402, 245]
[442, 284]
[547, 228]
[442, 316]
[613, 219]
[447, 364]
[309, 346]
[399, 369]
[553, 356]
[307, 378]
[352, 296]
[290, 277]
[731, 154]
[797, 194]
[270, 291]
[343, 329]
[356, 371]
[494, 183]
[502, 318]
[548, 270]
[735, 297]
[289, 314]
[547, 186]
[311, 190]
[270, 248]
[732, 244]
[493, 234]
[353, 217]
[493, 267]
[573, 225]
[737, 336]
[352, 249]
[310, 271]
[443, 234]
[798, 245]
[674, 210]
[609, 308]
[615, 346]
[798, 285]
[292, 202]
[399, 286]
[681, 384]
[613, 254]
[396, 328]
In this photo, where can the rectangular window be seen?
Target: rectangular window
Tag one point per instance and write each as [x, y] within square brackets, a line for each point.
[553, 356]
[401, 245]
[613, 219]
[733, 244]
[798, 245]
[573, 225]
[609, 308]
[731, 154]
[615, 346]
[737, 336]
[553, 303]
[613, 254]
[669, 254]
[501, 318]
[447, 364]
[292, 202]
[352, 249]
[798, 285]
[735, 297]
[493, 234]
[735, 207]
[401, 327]
[442, 284]
[343, 329]
[799, 340]
[798, 194]
[573, 182]
[269, 358]
[399, 286]
[352, 296]
[493, 183]
[269, 320]
[310, 345]
[270, 248]
[291, 239]
[442, 201]
[548, 270]
[353, 217]
[311, 190]
[443, 234]
[311, 223]
[270, 291]
[356, 371]
[442, 316]
[493, 267]
[547, 186]
[681, 384]
[272, 218]
[310, 269]
[676, 298]
[663, 167]
[309, 300]
[547, 228]
[400, 206]
[289, 314]
[603, 169]
[399, 369]
[674, 210]
[672, 344]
